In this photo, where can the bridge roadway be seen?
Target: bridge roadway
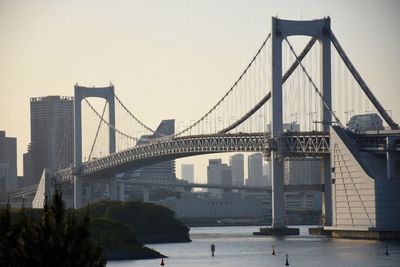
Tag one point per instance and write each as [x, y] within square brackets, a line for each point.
[186, 185]
[31, 190]
[291, 144]
[19, 193]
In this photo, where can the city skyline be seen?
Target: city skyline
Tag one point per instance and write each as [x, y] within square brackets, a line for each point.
[47, 48]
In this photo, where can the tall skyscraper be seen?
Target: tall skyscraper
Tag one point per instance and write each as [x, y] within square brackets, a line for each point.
[52, 134]
[237, 164]
[8, 163]
[214, 174]
[162, 170]
[226, 175]
[255, 169]
[187, 172]
[27, 167]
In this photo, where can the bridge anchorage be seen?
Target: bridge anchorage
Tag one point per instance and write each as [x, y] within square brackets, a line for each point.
[360, 164]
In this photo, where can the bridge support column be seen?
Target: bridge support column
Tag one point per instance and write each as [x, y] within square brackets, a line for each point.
[325, 81]
[278, 205]
[390, 158]
[278, 198]
[77, 192]
[282, 29]
[121, 191]
[145, 193]
[82, 92]
[113, 188]
[327, 194]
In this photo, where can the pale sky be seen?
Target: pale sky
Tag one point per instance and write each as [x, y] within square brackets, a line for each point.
[170, 59]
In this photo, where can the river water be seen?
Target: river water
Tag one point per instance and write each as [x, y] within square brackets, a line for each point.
[236, 246]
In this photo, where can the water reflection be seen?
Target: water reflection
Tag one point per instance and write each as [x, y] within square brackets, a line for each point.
[236, 246]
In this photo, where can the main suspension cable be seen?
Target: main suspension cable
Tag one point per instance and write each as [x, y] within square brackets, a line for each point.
[108, 124]
[361, 82]
[311, 81]
[289, 72]
[133, 116]
[227, 93]
[98, 130]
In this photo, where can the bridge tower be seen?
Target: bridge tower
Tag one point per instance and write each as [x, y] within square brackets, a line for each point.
[282, 29]
[82, 92]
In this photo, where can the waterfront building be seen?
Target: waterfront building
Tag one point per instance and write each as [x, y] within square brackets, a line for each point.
[8, 163]
[302, 171]
[265, 200]
[206, 206]
[52, 134]
[299, 201]
[366, 122]
[187, 172]
[162, 170]
[255, 169]
[237, 164]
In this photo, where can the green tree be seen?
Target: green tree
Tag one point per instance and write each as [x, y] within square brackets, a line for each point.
[56, 239]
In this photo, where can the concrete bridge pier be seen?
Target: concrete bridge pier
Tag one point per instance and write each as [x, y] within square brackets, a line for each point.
[390, 157]
[121, 191]
[77, 192]
[113, 188]
[278, 199]
[327, 194]
[146, 190]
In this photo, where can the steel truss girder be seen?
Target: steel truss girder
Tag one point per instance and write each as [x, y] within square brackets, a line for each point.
[289, 145]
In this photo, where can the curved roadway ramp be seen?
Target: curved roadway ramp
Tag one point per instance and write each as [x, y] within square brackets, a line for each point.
[365, 184]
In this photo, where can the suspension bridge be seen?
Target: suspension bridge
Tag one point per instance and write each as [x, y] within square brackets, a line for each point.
[315, 90]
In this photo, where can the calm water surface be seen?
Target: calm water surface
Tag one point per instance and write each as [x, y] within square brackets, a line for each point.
[236, 246]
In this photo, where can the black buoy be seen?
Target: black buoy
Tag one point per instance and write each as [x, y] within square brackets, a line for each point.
[287, 260]
[387, 251]
[162, 262]
[212, 249]
[273, 250]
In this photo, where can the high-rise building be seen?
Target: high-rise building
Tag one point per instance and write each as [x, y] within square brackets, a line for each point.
[302, 171]
[187, 172]
[266, 181]
[214, 174]
[162, 170]
[8, 163]
[255, 169]
[52, 134]
[237, 164]
[226, 175]
[27, 167]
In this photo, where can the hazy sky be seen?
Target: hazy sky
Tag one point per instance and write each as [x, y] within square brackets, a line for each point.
[170, 59]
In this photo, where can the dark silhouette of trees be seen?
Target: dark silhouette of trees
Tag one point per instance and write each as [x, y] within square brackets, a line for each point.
[53, 237]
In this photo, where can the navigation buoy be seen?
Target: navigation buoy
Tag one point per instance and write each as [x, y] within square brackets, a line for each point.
[162, 262]
[212, 249]
[387, 251]
[273, 250]
[287, 260]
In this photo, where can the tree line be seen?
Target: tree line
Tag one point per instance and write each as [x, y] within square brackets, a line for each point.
[51, 237]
